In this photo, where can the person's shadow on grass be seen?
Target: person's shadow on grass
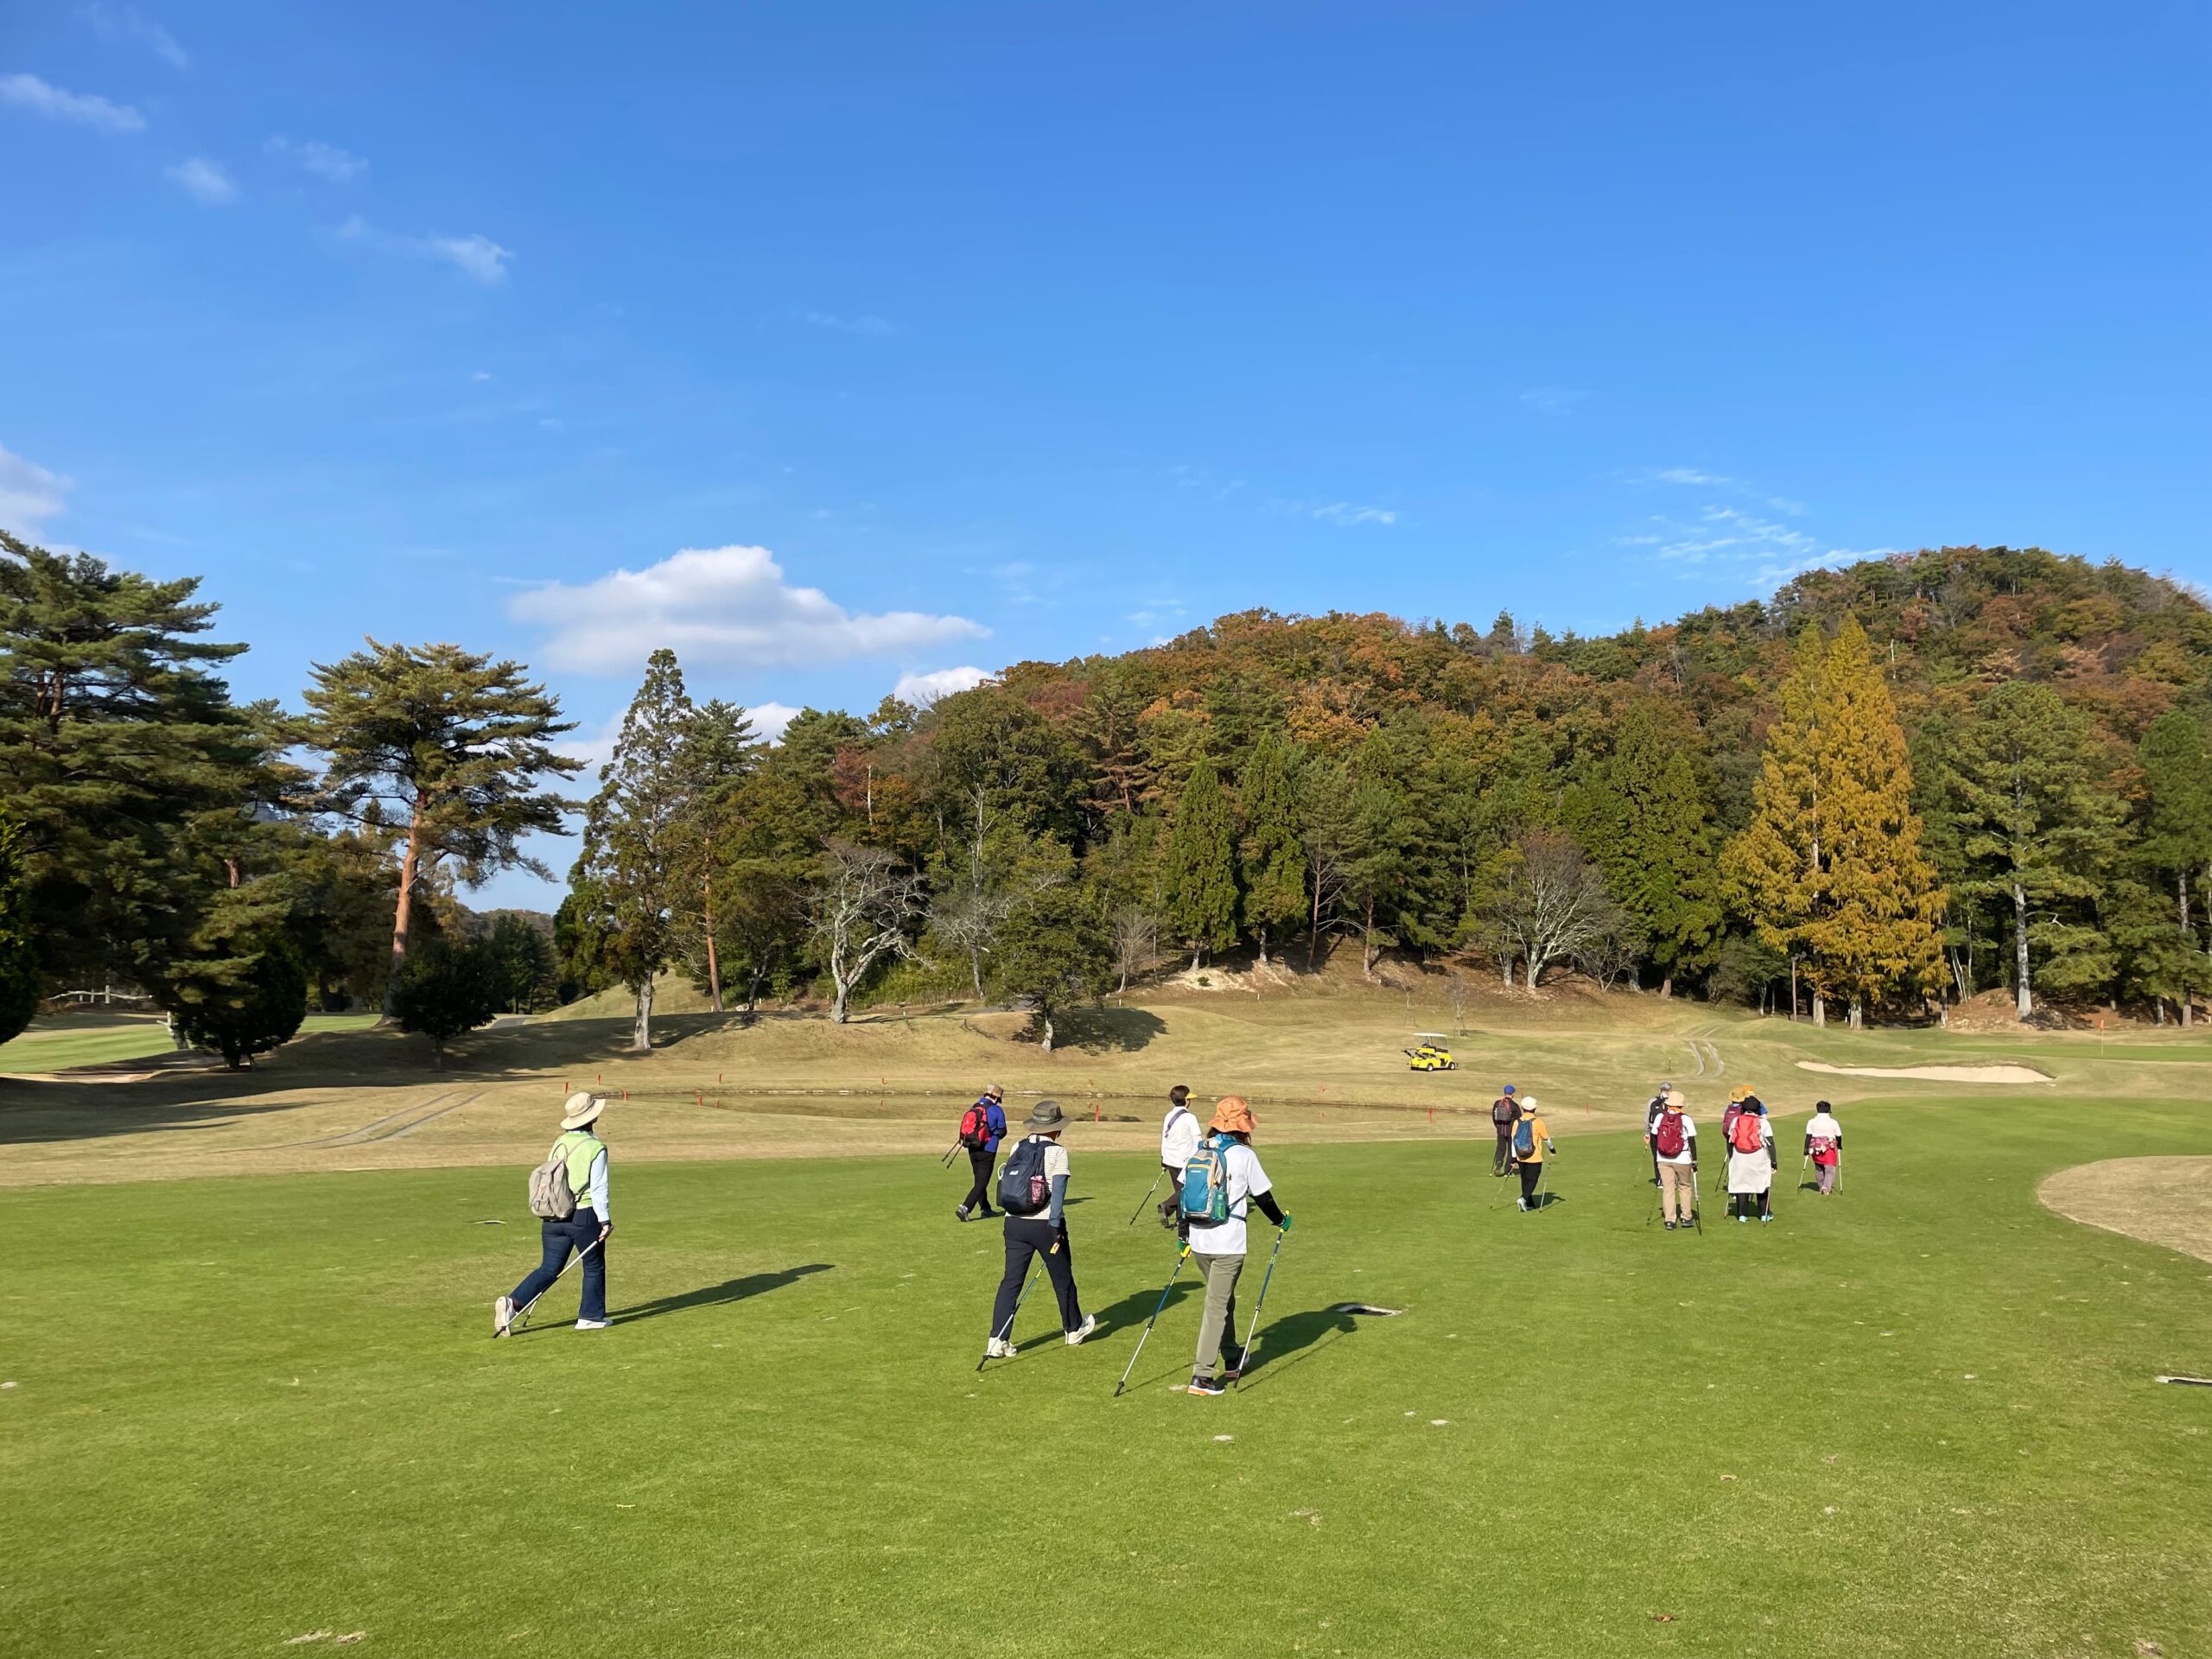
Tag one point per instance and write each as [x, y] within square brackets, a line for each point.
[1136, 1307]
[730, 1290]
[1294, 1339]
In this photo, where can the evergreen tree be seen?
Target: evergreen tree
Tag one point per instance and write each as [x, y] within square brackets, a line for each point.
[1641, 813]
[1200, 882]
[126, 768]
[448, 742]
[718, 754]
[2042, 831]
[20, 982]
[634, 837]
[443, 988]
[1055, 948]
[2176, 841]
[1273, 852]
[524, 958]
[258, 1010]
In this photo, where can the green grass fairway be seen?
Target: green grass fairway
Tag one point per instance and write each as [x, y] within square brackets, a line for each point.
[62, 1041]
[1917, 1419]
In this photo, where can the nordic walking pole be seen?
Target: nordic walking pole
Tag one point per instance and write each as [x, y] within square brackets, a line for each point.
[1164, 1289]
[1027, 1279]
[1149, 1191]
[1697, 1203]
[1252, 1331]
[521, 1318]
[945, 1162]
[1801, 1162]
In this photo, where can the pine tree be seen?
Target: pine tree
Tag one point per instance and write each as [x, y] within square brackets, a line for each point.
[1879, 931]
[255, 1012]
[1645, 818]
[20, 982]
[634, 837]
[718, 754]
[125, 766]
[443, 988]
[1055, 948]
[2176, 756]
[2042, 831]
[456, 743]
[1830, 869]
[1200, 878]
[1274, 857]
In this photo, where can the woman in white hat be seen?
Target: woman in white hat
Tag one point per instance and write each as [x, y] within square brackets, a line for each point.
[584, 1155]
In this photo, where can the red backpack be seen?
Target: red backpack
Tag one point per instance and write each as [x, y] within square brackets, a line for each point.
[975, 1126]
[1748, 1133]
[1669, 1139]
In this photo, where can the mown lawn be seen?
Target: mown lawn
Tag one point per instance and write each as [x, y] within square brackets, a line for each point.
[1917, 1420]
[77, 1040]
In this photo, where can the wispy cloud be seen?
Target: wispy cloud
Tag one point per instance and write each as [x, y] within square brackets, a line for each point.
[83, 108]
[922, 690]
[128, 26]
[313, 156]
[204, 181]
[29, 495]
[1345, 512]
[478, 257]
[868, 323]
[725, 606]
[1553, 400]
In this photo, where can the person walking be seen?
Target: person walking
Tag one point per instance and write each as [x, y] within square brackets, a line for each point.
[982, 1128]
[1178, 1139]
[1652, 1108]
[1735, 1105]
[1751, 1161]
[1824, 1146]
[1033, 1192]
[1673, 1153]
[1532, 1141]
[1219, 1247]
[1505, 1113]
[586, 1231]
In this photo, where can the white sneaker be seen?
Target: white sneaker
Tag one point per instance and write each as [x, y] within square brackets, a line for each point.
[1090, 1324]
[503, 1315]
[592, 1324]
[999, 1348]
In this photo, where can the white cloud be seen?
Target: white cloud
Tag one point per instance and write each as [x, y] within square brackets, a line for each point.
[86, 109]
[721, 606]
[1553, 400]
[1690, 475]
[130, 27]
[925, 688]
[1346, 512]
[879, 328]
[204, 181]
[29, 495]
[478, 256]
[769, 720]
[313, 156]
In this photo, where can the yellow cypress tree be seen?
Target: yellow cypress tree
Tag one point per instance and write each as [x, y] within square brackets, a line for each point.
[1875, 930]
[1772, 871]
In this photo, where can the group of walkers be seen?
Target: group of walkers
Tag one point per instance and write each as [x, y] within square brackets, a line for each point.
[1215, 1181]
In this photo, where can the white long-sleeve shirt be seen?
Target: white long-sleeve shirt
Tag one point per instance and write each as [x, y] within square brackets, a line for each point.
[1178, 1137]
[597, 1185]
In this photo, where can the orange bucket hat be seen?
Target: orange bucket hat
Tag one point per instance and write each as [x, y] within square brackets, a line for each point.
[1232, 1114]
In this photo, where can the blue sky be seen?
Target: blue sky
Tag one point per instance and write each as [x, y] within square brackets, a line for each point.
[838, 344]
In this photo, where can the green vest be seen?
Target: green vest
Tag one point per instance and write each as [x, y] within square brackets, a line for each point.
[584, 1148]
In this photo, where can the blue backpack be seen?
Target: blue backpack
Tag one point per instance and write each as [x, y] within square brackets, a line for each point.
[1023, 1190]
[1524, 1138]
[1205, 1183]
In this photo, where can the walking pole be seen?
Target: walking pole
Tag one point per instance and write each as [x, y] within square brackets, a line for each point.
[1252, 1331]
[1164, 1289]
[945, 1162]
[1839, 1169]
[1149, 1191]
[1801, 1162]
[521, 1318]
[1027, 1279]
[1697, 1203]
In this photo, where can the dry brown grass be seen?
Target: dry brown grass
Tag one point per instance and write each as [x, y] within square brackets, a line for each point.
[2164, 1201]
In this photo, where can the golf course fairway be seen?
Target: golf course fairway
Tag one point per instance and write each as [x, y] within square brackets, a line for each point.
[1919, 1418]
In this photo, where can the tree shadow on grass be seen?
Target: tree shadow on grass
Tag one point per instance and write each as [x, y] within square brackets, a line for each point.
[730, 1290]
[1115, 1030]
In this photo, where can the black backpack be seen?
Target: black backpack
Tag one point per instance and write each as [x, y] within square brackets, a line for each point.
[1023, 1190]
[1503, 1112]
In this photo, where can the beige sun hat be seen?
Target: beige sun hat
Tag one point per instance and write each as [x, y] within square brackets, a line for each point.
[581, 1107]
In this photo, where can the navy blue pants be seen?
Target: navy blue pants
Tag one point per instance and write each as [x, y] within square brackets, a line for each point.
[561, 1239]
[1028, 1237]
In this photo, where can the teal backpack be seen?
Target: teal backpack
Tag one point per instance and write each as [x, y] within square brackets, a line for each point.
[1205, 1183]
[1524, 1138]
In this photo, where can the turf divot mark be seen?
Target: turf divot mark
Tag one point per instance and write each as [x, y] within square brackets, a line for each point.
[312, 1635]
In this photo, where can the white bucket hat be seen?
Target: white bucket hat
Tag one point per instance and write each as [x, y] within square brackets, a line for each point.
[581, 1107]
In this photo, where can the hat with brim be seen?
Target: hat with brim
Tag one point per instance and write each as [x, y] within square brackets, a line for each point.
[996, 1091]
[1045, 1117]
[581, 1107]
[1232, 1114]
[1675, 1099]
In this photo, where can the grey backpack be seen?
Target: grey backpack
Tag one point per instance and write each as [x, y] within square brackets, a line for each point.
[549, 1196]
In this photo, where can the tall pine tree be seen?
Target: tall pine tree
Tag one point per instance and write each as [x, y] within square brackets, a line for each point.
[1274, 855]
[20, 982]
[1200, 882]
[2176, 756]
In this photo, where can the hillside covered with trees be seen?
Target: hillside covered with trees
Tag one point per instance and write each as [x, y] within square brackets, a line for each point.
[1885, 789]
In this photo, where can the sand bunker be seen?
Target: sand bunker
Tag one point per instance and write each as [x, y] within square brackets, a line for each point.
[2159, 1200]
[1933, 1073]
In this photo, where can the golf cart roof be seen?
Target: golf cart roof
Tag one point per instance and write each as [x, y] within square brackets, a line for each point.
[1428, 1036]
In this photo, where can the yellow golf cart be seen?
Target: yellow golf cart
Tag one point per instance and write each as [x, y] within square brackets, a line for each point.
[1431, 1055]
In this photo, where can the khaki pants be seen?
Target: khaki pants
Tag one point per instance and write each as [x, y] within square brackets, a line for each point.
[1220, 1316]
[1677, 1191]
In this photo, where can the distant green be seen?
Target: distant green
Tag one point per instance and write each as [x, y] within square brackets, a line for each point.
[1915, 1420]
[76, 1041]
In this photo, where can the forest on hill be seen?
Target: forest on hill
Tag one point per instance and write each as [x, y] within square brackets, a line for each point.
[1883, 790]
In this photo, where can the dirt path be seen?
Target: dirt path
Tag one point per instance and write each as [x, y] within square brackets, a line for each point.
[2159, 1200]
